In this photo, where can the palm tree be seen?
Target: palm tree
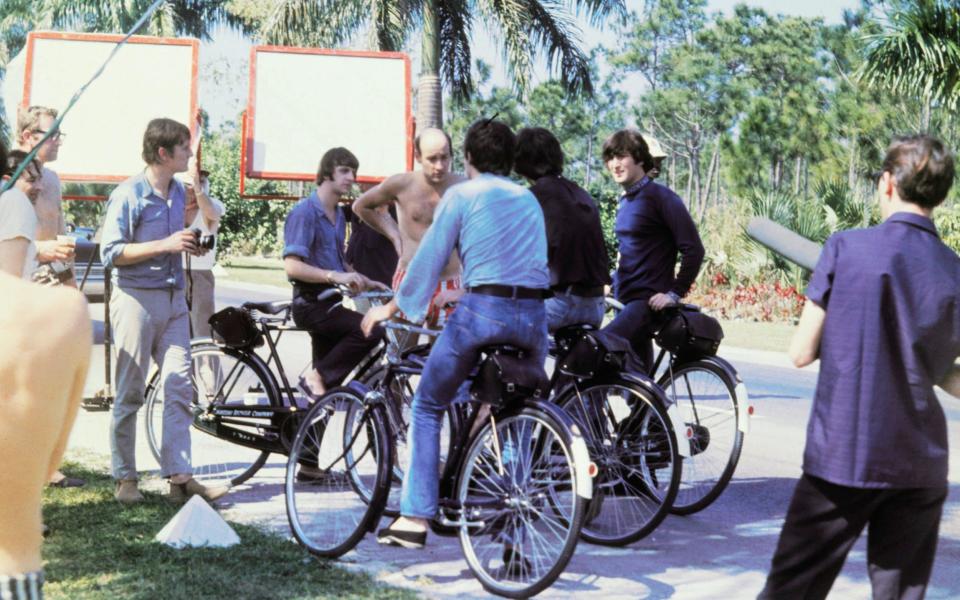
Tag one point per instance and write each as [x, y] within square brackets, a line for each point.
[173, 17]
[918, 53]
[526, 26]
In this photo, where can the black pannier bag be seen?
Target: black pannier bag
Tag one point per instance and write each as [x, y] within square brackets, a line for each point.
[509, 374]
[690, 334]
[235, 328]
[582, 353]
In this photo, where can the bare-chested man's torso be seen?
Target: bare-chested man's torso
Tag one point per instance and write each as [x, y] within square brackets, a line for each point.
[417, 200]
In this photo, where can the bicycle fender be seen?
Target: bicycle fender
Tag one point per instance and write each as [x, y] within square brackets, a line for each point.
[673, 413]
[581, 456]
[744, 408]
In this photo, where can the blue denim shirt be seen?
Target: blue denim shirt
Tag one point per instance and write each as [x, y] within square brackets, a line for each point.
[496, 226]
[136, 214]
[891, 332]
[309, 234]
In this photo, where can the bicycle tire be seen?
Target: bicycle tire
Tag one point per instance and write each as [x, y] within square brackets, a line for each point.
[327, 515]
[399, 388]
[223, 379]
[631, 440]
[533, 498]
[708, 403]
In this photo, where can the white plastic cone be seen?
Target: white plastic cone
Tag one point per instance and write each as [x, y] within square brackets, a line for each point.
[197, 524]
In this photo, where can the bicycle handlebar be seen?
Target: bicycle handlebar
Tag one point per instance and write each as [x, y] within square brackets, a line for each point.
[409, 328]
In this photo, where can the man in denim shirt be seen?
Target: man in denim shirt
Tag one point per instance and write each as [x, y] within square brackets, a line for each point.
[313, 238]
[498, 228]
[143, 238]
[883, 317]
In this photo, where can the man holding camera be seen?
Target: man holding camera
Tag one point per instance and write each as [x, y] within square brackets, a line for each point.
[143, 237]
[202, 215]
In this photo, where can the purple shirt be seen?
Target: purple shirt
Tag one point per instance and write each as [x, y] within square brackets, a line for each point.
[652, 226]
[892, 331]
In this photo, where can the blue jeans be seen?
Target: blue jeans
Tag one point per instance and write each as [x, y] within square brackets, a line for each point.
[566, 309]
[478, 321]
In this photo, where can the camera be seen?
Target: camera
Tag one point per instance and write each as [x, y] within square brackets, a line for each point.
[205, 240]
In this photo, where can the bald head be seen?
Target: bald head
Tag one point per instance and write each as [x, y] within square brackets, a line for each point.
[433, 151]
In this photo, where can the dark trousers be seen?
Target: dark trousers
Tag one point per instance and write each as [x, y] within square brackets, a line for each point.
[338, 342]
[634, 327]
[824, 521]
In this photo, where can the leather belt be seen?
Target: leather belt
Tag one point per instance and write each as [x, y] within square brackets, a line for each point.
[576, 289]
[509, 291]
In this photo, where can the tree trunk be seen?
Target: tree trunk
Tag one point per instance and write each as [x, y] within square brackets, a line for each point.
[588, 161]
[688, 195]
[710, 171]
[796, 175]
[925, 114]
[852, 165]
[429, 93]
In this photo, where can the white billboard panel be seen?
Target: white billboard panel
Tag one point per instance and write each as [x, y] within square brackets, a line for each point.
[303, 102]
[149, 77]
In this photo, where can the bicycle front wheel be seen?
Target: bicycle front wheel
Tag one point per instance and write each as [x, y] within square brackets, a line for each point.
[520, 511]
[338, 473]
[707, 401]
[218, 380]
[630, 438]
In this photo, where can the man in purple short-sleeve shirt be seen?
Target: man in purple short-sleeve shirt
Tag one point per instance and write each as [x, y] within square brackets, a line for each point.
[883, 317]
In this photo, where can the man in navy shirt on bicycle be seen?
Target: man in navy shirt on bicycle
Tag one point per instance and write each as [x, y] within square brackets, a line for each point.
[652, 227]
[497, 227]
[883, 317]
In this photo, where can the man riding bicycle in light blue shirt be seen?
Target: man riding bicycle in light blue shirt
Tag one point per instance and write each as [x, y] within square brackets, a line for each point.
[497, 226]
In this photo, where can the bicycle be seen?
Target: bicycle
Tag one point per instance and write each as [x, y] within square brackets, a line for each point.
[244, 404]
[515, 486]
[710, 397]
[629, 434]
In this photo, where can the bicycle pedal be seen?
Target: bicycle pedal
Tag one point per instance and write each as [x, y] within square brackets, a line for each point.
[461, 523]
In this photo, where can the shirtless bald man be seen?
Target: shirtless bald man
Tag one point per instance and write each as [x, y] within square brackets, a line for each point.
[416, 194]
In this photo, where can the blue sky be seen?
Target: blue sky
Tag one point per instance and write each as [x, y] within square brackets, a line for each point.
[228, 53]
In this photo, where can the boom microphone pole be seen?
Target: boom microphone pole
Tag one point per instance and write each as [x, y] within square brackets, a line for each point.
[788, 244]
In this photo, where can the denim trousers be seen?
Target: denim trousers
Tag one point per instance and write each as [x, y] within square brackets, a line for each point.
[478, 321]
[567, 309]
[151, 324]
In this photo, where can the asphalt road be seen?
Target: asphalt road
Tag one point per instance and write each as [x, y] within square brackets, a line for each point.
[722, 552]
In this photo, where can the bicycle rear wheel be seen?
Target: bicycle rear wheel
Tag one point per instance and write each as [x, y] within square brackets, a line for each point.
[631, 440]
[218, 380]
[707, 401]
[520, 510]
[348, 441]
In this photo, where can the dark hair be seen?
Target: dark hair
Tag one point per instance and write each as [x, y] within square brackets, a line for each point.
[538, 153]
[416, 141]
[628, 141]
[333, 158]
[13, 160]
[162, 133]
[489, 145]
[922, 167]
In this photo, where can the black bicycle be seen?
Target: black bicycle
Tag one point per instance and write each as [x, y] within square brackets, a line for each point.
[708, 399]
[629, 434]
[515, 486]
[243, 403]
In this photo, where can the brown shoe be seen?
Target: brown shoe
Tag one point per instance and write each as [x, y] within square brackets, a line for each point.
[181, 492]
[127, 492]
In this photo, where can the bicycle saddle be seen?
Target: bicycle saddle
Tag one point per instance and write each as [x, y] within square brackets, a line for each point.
[268, 308]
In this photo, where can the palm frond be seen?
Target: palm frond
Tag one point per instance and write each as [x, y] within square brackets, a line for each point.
[512, 19]
[556, 32]
[322, 23]
[455, 59]
[392, 21]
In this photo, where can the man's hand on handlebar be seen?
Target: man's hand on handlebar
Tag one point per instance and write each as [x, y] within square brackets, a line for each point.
[661, 301]
[376, 315]
[356, 282]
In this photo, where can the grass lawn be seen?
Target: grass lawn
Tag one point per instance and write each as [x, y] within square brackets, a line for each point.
[255, 269]
[757, 336]
[742, 334]
[98, 549]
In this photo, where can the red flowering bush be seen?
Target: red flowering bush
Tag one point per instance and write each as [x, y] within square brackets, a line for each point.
[748, 301]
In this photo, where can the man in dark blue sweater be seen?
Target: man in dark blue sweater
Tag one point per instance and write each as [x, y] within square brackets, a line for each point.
[652, 227]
